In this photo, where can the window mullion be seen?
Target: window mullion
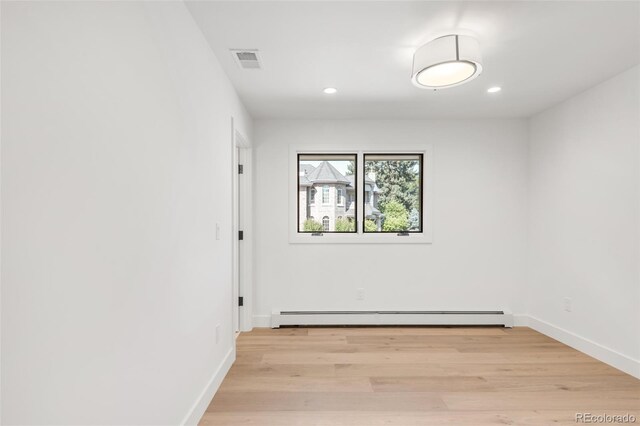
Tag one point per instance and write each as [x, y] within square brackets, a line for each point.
[359, 192]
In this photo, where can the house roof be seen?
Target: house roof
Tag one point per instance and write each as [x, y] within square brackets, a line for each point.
[306, 168]
[303, 181]
[326, 173]
[367, 179]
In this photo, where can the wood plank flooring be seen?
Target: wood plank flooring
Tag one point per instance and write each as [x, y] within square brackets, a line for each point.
[415, 376]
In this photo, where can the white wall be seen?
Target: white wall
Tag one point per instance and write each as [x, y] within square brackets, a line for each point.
[584, 229]
[116, 133]
[476, 261]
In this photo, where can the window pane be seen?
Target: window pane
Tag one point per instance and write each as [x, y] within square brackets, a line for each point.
[393, 193]
[325, 181]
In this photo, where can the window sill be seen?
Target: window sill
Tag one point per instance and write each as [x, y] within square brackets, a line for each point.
[354, 238]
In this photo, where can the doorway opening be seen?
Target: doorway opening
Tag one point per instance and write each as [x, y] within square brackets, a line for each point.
[242, 233]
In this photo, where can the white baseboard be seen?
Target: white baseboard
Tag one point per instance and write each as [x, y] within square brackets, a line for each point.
[520, 320]
[204, 399]
[262, 321]
[608, 356]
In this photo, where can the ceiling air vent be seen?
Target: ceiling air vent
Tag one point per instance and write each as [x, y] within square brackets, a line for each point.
[247, 58]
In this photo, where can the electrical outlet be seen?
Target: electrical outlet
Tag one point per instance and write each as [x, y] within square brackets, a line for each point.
[567, 304]
[360, 294]
[217, 333]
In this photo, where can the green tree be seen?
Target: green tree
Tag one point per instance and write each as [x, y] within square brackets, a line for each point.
[311, 225]
[414, 220]
[397, 181]
[345, 225]
[370, 226]
[351, 168]
[396, 217]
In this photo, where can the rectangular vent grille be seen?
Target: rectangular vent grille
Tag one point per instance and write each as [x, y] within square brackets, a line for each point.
[246, 59]
[247, 56]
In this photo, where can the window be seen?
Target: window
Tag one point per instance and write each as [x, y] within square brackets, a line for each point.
[393, 193]
[326, 173]
[325, 194]
[373, 196]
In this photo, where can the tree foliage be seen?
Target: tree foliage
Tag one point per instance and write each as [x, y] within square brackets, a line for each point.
[311, 225]
[351, 168]
[395, 217]
[370, 226]
[398, 196]
[414, 220]
[345, 225]
[397, 181]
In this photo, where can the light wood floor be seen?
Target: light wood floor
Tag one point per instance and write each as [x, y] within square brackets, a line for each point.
[415, 376]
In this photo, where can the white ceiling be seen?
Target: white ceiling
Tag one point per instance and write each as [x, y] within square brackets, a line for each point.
[540, 52]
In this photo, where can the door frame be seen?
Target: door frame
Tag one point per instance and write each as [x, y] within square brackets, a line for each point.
[242, 251]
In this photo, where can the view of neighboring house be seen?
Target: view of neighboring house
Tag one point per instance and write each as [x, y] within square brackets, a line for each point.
[326, 195]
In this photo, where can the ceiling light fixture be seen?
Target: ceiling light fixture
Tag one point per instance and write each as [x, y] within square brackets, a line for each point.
[494, 89]
[330, 90]
[446, 62]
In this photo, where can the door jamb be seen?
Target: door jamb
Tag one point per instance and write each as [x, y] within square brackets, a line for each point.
[243, 183]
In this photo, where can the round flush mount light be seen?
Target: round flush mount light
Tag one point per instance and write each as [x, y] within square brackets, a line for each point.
[494, 89]
[330, 90]
[446, 62]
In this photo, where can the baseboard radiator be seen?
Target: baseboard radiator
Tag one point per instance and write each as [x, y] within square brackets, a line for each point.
[328, 318]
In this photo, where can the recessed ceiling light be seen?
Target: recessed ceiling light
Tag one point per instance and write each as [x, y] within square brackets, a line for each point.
[494, 89]
[330, 90]
[446, 62]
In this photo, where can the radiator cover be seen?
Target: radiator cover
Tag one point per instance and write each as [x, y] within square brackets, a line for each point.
[328, 318]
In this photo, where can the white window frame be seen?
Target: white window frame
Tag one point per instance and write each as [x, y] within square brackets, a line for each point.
[359, 237]
[328, 226]
[339, 197]
[328, 202]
